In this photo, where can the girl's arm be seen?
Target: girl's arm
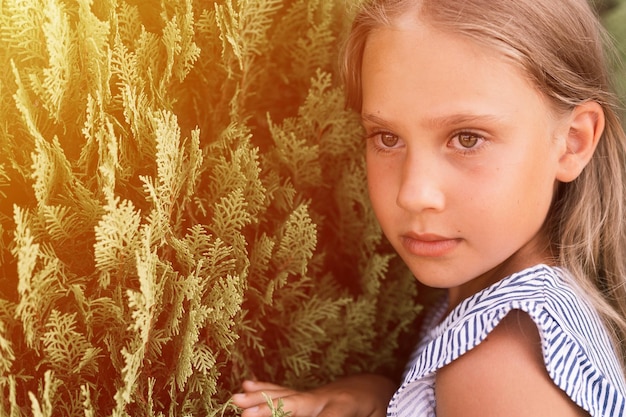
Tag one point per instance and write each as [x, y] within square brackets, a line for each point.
[364, 395]
[503, 376]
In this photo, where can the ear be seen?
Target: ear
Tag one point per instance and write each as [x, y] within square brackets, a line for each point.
[585, 125]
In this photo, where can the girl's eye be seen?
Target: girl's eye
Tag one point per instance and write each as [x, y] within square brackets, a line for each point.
[384, 142]
[466, 141]
[388, 140]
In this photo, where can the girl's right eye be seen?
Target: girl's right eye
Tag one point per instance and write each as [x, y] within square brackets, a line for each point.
[388, 139]
[384, 141]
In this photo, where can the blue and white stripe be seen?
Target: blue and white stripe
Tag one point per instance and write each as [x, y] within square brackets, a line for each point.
[577, 350]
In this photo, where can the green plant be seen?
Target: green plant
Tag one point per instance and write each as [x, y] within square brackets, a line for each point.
[183, 205]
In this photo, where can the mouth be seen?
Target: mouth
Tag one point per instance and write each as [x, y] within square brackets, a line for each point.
[428, 245]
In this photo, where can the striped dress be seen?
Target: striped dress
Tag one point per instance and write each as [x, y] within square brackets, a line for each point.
[576, 348]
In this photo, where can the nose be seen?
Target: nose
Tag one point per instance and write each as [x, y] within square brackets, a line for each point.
[421, 183]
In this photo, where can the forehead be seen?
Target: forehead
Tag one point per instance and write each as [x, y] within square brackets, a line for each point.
[410, 65]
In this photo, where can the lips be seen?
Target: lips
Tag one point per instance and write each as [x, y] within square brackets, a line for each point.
[428, 245]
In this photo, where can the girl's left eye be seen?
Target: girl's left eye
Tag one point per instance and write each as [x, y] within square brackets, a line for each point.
[466, 141]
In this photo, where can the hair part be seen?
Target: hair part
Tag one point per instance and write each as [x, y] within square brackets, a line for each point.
[562, 49]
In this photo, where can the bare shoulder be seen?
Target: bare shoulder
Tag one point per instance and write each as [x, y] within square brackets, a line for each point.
[504, 375]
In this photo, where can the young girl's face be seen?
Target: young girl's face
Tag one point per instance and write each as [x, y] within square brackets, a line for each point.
[462, 156]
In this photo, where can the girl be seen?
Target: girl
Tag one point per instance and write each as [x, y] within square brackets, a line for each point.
[495, 164]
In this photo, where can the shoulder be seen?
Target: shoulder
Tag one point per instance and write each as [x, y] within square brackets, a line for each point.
[503, 375]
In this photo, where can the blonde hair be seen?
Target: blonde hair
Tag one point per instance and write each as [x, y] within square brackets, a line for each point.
[561, 47]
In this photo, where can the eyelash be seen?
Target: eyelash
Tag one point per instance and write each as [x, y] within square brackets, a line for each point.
[375, 138]
[467, 151]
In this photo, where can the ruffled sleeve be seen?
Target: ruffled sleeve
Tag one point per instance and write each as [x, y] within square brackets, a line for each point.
[577, 351]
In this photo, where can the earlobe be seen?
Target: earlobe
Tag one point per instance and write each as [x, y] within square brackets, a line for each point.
[585, 127]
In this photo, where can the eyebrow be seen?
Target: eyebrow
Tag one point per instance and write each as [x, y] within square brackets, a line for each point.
[440, 121]
[372, 118]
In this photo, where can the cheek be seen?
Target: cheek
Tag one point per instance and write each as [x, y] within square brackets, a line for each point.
[382, 188]
[375, 187]
[521, 199]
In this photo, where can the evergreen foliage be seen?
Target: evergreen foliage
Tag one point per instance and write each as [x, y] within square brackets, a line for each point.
[183, 206]
[614, 18]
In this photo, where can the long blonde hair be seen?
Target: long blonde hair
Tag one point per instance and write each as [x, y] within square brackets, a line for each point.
[561, 46]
